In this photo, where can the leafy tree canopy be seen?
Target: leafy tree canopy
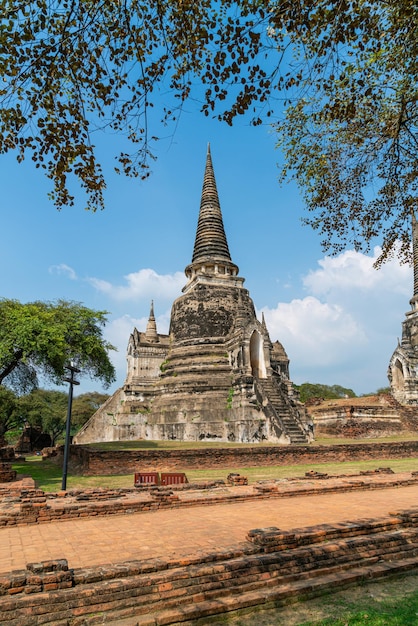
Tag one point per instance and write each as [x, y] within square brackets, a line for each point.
[351, 138]
[9, 416]
[45, 410]
[42, 338]
[327, 392]
[345, 72]
[85, 405]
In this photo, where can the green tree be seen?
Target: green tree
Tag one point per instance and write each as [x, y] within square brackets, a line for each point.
[383, 390]
[350, 135]
[9, 416]
[327, 392]
[45, 410]
[379, 392]
[71, 67]
[344, 71]
[41, 338]
[85, 405]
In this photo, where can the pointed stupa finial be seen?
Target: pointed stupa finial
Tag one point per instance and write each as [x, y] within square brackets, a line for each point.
[415, 252]
[414, 300]
[151, 334]
[210, 236]
[264, 326]
[211, 261]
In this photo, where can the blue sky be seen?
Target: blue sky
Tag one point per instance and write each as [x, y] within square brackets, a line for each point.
[337, 318]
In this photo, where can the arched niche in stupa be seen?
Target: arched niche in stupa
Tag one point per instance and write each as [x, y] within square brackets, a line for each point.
[398, 378]
[258, 366]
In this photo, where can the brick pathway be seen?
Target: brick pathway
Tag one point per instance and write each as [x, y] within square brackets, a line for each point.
[179, 532]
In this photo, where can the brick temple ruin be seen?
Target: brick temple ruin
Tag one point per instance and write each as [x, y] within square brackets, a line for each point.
[385, 414]
[216, 376]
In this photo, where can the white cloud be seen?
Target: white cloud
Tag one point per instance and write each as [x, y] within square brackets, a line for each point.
[354, 271]
[145, 283]
[345, 330]
[63, 269]
[313, 331]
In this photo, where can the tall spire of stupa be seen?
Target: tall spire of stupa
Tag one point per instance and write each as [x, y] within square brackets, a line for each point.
[415, 253]
[211, 255]
[210, 236]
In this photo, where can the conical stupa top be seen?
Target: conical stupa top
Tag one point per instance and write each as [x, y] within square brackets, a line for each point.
[151, 331]
[415, 251]
[210, 236]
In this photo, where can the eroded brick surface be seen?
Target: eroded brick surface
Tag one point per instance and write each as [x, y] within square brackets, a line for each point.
[267, 564]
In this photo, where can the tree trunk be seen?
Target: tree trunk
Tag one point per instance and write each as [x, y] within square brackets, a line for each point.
[8, 369]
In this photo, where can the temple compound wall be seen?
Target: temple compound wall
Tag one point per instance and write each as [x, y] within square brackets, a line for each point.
[93, 461]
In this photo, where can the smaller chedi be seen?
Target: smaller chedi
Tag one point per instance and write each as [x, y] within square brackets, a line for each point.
[216, 376]
[403, 366]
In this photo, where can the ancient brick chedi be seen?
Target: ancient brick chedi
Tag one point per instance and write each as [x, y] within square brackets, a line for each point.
[217, 376]
[403, 366]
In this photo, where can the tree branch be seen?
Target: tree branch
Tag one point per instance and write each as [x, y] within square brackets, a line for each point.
[12, 365]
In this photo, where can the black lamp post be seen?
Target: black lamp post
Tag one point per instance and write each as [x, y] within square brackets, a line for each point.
[70, 379]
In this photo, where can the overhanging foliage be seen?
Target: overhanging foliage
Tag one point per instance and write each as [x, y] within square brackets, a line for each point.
[344, 72]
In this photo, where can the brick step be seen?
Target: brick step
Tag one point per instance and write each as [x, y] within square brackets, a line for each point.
[270, 598]
[208, 583]
[292, 428]
[298, 440]
[294, 439]
[290, 425]
[203, 597]
[275, 560]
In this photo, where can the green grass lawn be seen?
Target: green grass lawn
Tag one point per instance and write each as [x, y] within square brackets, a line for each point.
[387, 602]
[48, 475]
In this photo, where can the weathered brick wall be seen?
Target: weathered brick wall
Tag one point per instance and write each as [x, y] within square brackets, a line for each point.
[90, 461]
[255, 572]
[27, 506]
[359, 428]
[7, 474]
[7, 453]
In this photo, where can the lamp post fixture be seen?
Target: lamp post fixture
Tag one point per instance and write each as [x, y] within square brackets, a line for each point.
[69, 379]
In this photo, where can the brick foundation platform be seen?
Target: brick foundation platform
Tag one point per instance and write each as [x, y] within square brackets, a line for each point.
[21, 505]
[270, 566]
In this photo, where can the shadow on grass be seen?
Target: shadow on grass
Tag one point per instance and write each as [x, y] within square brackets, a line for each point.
[125, 445]
[143, 444]
[172, 445]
